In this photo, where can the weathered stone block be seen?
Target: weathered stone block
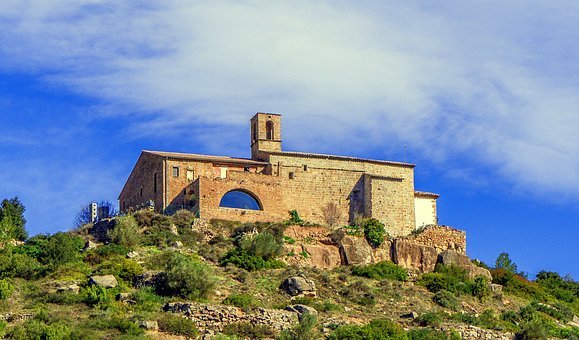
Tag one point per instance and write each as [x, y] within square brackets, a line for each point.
[414, 256]
[355, 250]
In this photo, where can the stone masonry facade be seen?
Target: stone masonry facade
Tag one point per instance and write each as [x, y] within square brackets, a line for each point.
[320, 187]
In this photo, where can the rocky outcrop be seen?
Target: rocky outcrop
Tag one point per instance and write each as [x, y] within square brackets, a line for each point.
[355, 250]
[414, 256]
[383, 252]
[106, 281]
[298, 285]
[321, 256]
[301, 310]
[452, 257]
[468, 332]
[100, 230]
[210, 319]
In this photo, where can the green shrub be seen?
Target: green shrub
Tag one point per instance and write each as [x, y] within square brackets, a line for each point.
[429, 319]
[381, 270]
[147, 300]
[374, 232]
[144, 217]
[19, 265]
[564, 289]
[36, 329]
[450, 278]
[121, 267]
[431, 334]
[244, 301]
[295, 217]
[249, 262]
[183, 218]
[189, 278]
[249, 330]
[304, 330]
[376, 329]
[360, 293]
[558, 311]
[263, 245]
[532, 330]
[519, 286]
[121, 324]
[480, 287]
[126, 232]
[96, 296]
[6, 289]
[174, 324]
[12, 220]
[61, 248]
[446, 299]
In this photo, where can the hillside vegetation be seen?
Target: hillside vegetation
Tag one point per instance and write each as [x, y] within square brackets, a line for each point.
[165, 268]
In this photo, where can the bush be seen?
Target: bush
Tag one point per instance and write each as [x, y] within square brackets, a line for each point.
[6, 289]
[189, 278]
[36, 329]
[263, 245]
[532, 330]
[381, 270]
[96, 296]
[121, 267]
[431, 334]
[446, 299]
[295, 217]
[61, 248]
[12, 220]
[249, 330]
[360, 293]
[480, 287]
[429, 320]
[19, 265]
[249, 262]
[519, 286]
[183, 218]
[304, 330]
[244, 301]
[374, 232]
[178, 325]
[121, 324]
[450, 278]
[126, 232]
[144, 217]
[376, 329]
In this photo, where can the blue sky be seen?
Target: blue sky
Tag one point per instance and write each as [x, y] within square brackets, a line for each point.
[485, 96]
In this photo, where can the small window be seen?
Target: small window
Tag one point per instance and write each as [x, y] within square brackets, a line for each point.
[176, 171]
[124, 205]
[190, 175]
[141, 191]
[246, 168]
[305, 167]
[223, 172]
[291, 175]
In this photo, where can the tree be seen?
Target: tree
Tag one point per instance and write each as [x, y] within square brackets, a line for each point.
[503, 261]
[84, 215]
[12, 220]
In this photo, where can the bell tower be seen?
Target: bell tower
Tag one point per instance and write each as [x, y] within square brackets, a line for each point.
[265, 134]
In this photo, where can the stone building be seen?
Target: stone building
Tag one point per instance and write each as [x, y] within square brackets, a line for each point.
[325, 189]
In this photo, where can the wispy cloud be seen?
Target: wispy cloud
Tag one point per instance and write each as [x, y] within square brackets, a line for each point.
[494, 84]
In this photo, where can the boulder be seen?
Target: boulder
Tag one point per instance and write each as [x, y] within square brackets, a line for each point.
[177, 244]
[496, 288]
[323, 256]
[452, 257]
[355, 250]
[301, 310]
[150, 279]
[72, 288]
[123, 297]
[298, 285]
[89, 245]
[100, 230]
[132, 254]
[414, 256]
[149, 325]
[382, 253]
[412, 315]
[106, 281]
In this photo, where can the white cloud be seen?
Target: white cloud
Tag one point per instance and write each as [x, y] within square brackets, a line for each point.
[493, 84]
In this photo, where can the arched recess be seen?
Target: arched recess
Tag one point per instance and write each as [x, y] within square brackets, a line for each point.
[240, 199]
[269, 130]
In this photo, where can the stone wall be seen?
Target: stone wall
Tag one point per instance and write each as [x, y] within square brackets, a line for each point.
[139, 188]
[210, 319]
[441, 238]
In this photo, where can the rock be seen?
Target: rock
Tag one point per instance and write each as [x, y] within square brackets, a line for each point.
[123, 297]
[150, 279]
[73, 288]
[323, 256]
[177, 244]
[411, 315]
[575, 321]
[100, 230]
[173, 229]
[132, 254]
[452, 257]
[89, 245]
[301, 310]
[106, 281]
[496, 288]
[414, 256]
[355, 250]
[149, 325]
[297, 285]
[382, 253]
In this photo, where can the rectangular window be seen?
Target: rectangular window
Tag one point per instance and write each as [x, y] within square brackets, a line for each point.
[223, 172]
[141, 191]
[305, 167]
[291, 175]
[246, 168]
[190, 175]
[175, 171]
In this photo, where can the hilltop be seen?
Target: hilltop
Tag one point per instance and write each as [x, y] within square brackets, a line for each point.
[151, 275]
